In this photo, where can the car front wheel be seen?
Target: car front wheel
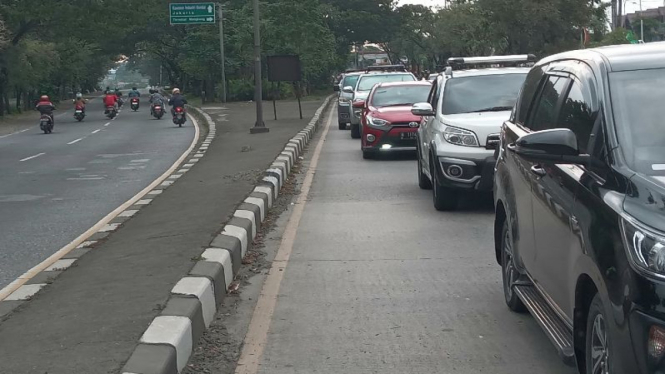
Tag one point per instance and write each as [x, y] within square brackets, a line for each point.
[355, 131]
[445, 198]
[509, 272]
[598, 344]
[423, 182]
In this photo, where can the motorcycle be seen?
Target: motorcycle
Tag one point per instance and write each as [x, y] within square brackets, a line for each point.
[46, 123]
[157, 111]
[79, 114]
[134, 104]
[110, 112]
[179, 116]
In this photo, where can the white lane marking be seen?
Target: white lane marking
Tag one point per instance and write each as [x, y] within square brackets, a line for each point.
[14, 133]
[107, 124]
[96, 131]
[31, 157]
[143, 160]
[25, 277]
[155, 192]
[86, 244]
[75, 141]
[24, 130]
[109, 227]
[144, 202]
[85, 179]
[61, 264]
[257, 335]
[25, 292]
[128, 213]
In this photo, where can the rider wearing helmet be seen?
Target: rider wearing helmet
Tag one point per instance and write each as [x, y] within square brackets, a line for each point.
[111, 100]
[79, 102]
[177, 100]
[45, 106]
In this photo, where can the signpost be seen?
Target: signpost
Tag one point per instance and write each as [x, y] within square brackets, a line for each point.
[192, 13]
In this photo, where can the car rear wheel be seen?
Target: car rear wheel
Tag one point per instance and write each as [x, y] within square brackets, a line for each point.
[445, 199]
[342, 126]
[355, 131]
[509, 272]
[598, 343]
[423, 182]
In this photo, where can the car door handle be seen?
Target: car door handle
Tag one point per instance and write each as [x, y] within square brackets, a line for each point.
[511, 147]
[538, 170]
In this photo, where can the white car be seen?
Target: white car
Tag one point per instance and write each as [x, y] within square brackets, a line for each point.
[459, 132]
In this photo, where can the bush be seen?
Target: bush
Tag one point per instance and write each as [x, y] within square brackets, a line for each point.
[243, 90]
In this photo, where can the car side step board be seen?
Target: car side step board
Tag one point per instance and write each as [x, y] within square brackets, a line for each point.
[555, 329]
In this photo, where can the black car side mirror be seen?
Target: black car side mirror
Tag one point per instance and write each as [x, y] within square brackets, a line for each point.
[557, 146]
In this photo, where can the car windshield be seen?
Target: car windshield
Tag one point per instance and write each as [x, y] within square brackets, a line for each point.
[350, 80]
[637, 99]
[400, 95]
[367, 82]
[481, 93]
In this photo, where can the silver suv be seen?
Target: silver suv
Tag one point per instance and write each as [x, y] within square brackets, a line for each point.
[364, 85]
[344, 99]
[461, 121]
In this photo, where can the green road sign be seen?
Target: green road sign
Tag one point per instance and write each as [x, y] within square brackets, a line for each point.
[192, 13]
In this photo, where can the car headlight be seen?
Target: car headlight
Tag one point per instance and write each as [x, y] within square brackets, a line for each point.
[646, 248]
[457, 136]
[377, 122]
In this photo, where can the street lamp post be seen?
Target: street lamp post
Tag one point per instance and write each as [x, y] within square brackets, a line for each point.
[259, 126]
[221, 49]
[641, 23]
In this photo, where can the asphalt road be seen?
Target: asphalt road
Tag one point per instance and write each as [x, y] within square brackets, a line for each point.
[380, 282]
[54, 187]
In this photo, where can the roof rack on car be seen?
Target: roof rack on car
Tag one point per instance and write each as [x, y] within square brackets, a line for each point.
[400, 68]
[492, 61]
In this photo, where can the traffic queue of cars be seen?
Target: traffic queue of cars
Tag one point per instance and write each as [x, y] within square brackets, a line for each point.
[574, 152]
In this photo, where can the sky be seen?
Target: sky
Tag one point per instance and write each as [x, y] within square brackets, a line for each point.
[631, 5]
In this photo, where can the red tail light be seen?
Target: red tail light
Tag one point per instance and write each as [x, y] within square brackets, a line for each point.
[179, 110]
[158, 107]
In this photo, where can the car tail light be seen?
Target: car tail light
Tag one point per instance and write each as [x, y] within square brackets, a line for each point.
[656, 342]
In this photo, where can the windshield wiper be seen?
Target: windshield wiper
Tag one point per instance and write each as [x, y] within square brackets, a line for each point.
[493, 109]
[389, 105]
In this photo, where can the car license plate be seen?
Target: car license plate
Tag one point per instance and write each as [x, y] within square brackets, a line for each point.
[407, 135]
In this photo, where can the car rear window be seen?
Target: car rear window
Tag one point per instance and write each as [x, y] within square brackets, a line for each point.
[367, 82]
[481, 93]
[400, 95]
[350, 80]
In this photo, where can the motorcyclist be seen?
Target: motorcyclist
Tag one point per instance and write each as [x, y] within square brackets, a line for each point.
[177, 101]
[45, 106]
[107, 90]
[118, 94]
[155, 99]
[79, 102]
[111, 100]
[134, 93]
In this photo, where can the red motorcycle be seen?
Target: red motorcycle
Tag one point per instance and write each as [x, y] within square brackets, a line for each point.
[179, 116]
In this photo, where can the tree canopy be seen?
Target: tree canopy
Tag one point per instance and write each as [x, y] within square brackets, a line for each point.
[63, 45]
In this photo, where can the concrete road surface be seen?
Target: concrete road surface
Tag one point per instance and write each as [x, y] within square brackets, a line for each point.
[54, 187]
[380, 282]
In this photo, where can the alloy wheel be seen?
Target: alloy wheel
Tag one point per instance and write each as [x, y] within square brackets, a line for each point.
[599, 346]
[510, 274]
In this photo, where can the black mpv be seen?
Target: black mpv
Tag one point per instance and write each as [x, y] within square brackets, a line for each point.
[580, 206]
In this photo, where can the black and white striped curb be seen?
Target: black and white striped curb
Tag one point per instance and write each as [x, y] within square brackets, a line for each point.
[167, 344]
[45, 277]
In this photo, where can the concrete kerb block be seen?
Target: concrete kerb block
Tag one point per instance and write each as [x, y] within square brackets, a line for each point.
[233, 246]
[282, 166]
[240, 228]
[296, 144]
[290, 152]
[152, 359]
[175, 331]
[254, 209]
[286, 158]
[275, 185]
[260, 203]
[190, 307]
[202, 289]
[277, 174]
[268, 191]
[246, 214]
[293, 148]
[212, 260]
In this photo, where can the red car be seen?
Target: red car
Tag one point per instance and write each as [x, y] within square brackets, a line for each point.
[387, 123]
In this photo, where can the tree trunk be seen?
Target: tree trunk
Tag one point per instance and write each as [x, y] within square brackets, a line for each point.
[19, 92]
[7, 106]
